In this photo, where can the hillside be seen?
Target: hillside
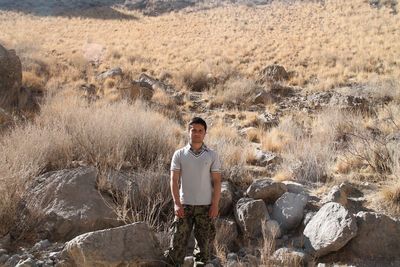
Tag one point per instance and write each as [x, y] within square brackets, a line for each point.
[295, 92]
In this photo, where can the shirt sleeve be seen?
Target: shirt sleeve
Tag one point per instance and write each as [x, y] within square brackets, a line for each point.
[176, 161]
[216, 164]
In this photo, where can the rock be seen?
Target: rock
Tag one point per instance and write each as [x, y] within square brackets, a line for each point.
[10, 79]
[272, 229]
[226, 201]
[226, 233]
[295, 188]
[337, 100]
[13, 260]
[267, 120]
[69, 203]
[110, 73]
[26, 263]
[274, 73]
[289, 257]
[266, 189]
[232, 257]
[250, 214]
[308, 217]
[264, 158]
[138, 89]
[378, 237]
[129, 245]
[41, 245]
[251, 260]
[288, 210]
[336, 194]
[329, 230]
[189, 261]
[4, 258]
[264, 98]
[281, 90]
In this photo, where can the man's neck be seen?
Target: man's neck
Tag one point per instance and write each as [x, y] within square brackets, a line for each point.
[196, 146]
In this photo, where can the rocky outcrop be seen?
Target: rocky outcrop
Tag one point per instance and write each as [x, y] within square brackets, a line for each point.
[10, 79]
[274, 73]
[130, 245]
[67, 204]
[329, 230]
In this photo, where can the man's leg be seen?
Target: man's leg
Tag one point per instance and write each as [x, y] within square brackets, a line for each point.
[182, 228]
[204, 232]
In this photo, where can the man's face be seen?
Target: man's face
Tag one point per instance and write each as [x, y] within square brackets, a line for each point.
[197, 132]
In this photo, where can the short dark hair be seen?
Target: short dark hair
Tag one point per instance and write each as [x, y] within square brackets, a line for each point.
[198, 120]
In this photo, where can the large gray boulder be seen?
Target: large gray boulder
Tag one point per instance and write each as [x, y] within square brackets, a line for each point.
[130, 245]
[68, 204]
[266, 189]
[250, 214]
[329, 230]
[10, 78]
[378, 237]
[288, 210]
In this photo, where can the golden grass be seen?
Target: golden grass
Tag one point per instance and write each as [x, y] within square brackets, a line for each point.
[390, 199]
[326, 45]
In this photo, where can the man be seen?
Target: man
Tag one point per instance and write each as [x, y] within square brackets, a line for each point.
[198, 170]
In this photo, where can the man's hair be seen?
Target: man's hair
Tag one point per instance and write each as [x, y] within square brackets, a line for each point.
[198, 120]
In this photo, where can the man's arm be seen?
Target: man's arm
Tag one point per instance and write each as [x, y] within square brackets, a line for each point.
[174, 184]
[216, 178]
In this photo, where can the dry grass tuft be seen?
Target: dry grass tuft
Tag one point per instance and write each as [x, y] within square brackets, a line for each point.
[389, 199]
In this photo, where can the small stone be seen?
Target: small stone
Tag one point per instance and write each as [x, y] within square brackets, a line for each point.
[41, 245]
[232, 257]
[4, 258]
[13, 260]
[188, 261]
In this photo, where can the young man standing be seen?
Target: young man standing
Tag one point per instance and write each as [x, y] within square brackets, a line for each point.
[198, 170]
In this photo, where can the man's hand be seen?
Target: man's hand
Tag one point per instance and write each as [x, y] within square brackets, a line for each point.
[179, 211]
[213, 212]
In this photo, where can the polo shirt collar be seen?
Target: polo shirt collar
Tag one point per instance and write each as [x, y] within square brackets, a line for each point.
[202, 148]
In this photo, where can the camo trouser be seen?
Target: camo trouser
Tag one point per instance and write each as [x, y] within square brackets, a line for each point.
[204, 232]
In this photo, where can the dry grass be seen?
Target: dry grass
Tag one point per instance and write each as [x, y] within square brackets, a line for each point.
[108, 136]
[234, 92]
[389, 199]
[326, 45]
[232, 150]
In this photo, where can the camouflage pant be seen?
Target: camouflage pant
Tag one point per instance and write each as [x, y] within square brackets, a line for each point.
[204, 232]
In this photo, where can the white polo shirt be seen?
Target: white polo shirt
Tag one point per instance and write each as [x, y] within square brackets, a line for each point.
[196, 181]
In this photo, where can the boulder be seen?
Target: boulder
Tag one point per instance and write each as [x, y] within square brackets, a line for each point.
[10, 79]
[69, 204]
[129, 245]
[288, 210]
[138, 89]
[266, 189]
[226, 232]
[329, 230]
[296, 188]
[379, 230]
[274, 73]
[226, 201]
[250, 215]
